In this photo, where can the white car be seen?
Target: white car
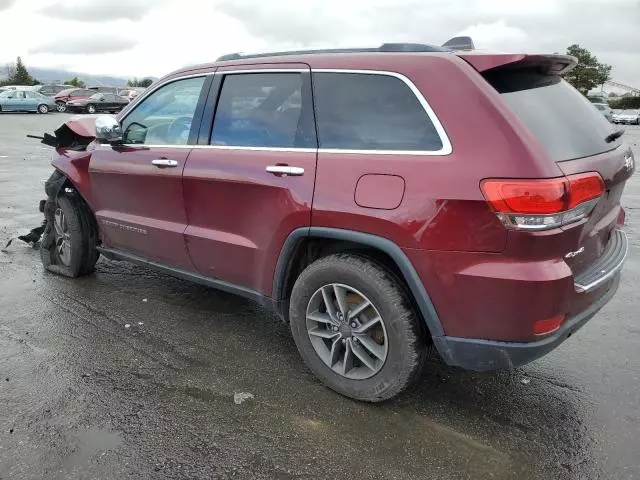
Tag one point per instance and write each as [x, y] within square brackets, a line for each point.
[631, 117]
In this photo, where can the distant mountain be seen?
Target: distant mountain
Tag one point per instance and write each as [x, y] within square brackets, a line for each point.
[53, 75]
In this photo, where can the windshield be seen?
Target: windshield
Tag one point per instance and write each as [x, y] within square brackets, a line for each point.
[6, 93]
[560, 117]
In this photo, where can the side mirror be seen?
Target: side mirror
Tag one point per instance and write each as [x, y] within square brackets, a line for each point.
[108, 129]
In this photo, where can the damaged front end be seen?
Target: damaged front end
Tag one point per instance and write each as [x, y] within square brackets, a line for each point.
[73, 144]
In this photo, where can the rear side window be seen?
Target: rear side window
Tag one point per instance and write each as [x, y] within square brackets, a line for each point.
[262, 110]
[361, 111]
[560, 117]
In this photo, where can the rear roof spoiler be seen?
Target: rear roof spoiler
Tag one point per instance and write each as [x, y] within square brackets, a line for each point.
[545, 64]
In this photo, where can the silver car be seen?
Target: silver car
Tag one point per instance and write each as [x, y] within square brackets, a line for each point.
[631, 117]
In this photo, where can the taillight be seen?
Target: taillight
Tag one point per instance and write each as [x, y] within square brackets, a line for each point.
[545, 203]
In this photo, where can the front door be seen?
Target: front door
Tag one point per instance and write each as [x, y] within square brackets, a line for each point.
[250, 181]
[137, 187]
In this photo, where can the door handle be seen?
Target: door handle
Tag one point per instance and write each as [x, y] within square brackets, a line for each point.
[164, 163]
[285, 170]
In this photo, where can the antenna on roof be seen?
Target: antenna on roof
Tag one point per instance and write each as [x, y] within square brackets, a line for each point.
[459, 43]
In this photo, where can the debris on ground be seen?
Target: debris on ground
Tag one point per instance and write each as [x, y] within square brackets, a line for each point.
[144, 300]
[140, 323]
[525, 381]
[239, 398]
[127, 325]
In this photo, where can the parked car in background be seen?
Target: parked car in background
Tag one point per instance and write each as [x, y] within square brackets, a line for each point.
[345, 191]
[105, 89]
[98, 102]
[71, 94]
[25, 101]
[131, 93]
[51, 90]
[629, 117]
[605, 110]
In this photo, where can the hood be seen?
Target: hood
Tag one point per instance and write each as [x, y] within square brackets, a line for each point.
[75, 134]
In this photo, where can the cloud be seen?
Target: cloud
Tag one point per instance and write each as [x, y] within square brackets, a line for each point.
[168, 34]
[491, 35]
[6, 4]
[92, 44]
[99, 10]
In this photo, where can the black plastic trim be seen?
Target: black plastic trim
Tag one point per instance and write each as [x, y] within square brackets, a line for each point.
[486, 355]
[200, 106]
[211, 104]
[115, 254]
[418, 290]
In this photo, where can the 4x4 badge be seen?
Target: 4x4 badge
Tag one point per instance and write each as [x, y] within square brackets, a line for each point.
[574, 254]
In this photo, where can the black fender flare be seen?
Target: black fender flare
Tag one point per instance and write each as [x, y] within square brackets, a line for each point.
[418, 290]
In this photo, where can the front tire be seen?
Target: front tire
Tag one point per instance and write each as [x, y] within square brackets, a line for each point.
[68, 245]
[91, 109]
[355, 328]
[61, 107]
[43, 109]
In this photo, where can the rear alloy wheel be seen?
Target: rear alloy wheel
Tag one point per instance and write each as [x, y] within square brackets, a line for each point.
[91, 109]
[61, 107]
[355, 328]
[350, 339]
[43, 108]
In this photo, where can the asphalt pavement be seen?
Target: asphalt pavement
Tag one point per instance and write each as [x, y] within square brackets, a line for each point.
[132, 374]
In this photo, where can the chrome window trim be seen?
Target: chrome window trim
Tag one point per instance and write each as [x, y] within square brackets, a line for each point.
[154, 88]
[444, 139]
[446, 143]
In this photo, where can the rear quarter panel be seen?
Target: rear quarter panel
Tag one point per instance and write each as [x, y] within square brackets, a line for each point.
[442, 207]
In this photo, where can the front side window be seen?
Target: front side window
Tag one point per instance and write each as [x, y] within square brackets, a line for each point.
[165, 116]
[361, 111]
[262, 110]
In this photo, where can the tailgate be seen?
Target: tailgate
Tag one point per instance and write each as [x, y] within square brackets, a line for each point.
[615, 167]
[574, 135]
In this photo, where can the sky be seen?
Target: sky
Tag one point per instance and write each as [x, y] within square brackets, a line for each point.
[153, 37]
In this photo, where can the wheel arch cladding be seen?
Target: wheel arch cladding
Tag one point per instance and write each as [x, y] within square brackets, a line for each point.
[290, 251]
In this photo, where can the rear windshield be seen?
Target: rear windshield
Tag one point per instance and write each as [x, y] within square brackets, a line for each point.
[560, 117]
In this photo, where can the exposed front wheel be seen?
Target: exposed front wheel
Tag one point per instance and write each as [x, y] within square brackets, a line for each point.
[91, 109]
[61, 107]
[43, 108]
[355, 327]
[68, 245]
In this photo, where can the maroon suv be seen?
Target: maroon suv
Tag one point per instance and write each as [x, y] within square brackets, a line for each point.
[381, 201]
[71, 95]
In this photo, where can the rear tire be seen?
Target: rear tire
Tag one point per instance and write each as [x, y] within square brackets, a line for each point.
[69, 243]
[396, 350]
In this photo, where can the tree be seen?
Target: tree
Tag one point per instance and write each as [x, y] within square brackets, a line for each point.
[21, 75]
[144, 83]
[17, 74]
[589, 73]
[75, 82]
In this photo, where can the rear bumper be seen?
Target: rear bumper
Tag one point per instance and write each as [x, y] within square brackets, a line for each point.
[485, 355]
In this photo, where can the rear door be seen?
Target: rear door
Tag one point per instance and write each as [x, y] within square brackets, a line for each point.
[250, 181]
[137, 187]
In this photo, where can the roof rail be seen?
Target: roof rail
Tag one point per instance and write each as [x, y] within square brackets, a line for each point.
[386, 47]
